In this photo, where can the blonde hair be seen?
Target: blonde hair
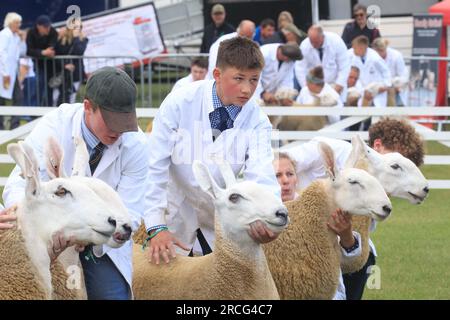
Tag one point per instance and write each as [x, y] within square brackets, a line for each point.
[10, 18]
[66, 37]
[285, 15]
[380, 44]
[283, 155]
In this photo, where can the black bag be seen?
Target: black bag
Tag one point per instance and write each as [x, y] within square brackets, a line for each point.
[57, 80]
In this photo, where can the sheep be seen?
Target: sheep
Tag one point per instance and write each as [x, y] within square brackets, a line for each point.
[79, 207]
[237, 269]
[353, 96]
[305, 259]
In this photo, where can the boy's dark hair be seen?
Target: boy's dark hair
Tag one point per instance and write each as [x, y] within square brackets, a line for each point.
[267, 22]
[240, 53]
[398, 136]
[200, 62]
[361, 40]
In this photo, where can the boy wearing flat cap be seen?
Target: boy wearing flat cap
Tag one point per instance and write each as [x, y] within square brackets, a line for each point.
[106, 120]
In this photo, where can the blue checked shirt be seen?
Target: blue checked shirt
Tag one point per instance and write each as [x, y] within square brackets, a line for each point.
[90, 139]
[215, 116]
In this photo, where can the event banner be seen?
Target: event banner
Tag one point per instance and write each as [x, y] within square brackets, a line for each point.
[128, 32]
[424, 72]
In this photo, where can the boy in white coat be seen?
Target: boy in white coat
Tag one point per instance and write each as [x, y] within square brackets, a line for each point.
[118, 155]
[200, 121]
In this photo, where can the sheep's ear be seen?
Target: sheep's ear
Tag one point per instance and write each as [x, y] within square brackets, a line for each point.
[205, 180]
[81, 157]
[328, 159]
[357, 157]
[25, 158]
[226, 171]
[375, 159]
[54, 156]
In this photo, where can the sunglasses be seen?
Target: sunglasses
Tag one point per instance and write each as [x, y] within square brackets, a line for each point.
[359, 14]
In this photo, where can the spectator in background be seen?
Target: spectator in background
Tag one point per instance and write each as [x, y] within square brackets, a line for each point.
[199, 68]
[359, 27]
[286, 172]
[215, 30]
[284, 18]
[41, 43]
[264, 31]
[12, 47]
[71, 42]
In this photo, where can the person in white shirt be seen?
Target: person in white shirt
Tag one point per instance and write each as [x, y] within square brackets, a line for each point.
[339, 222]
[317, 92]
[328, 50]
[387, 135]
[106, 120]
[396, 63]
[199, 68]
[373, 70]
[201, 121]
[245, 29]
[278, 70]
[12, 47]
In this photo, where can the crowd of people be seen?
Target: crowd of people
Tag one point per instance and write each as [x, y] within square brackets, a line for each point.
[153, 175]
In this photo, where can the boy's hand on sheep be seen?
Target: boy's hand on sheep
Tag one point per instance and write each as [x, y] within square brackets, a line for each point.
[368, 96]
[286, 102]
[341, 223]
[163, 244]
[7, 216]
[338, 88]
[260, 233]
[59, 243]
[269, 98]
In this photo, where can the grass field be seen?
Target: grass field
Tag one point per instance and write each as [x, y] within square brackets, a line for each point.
[413, 256]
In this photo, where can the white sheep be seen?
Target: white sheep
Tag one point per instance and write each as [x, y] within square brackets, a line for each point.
[85, 209]
[305, 259]
[237, 269]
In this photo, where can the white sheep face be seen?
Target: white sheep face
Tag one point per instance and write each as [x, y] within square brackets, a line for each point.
[399, 176]
[73, 206]
[359, 193]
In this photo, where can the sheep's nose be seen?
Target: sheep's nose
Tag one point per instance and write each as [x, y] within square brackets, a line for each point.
[426, 190]
[127, 229]
[112, 221]
[387, 210]
[283, 215]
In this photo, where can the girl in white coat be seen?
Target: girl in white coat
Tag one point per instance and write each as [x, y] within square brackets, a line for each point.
[201, 121]
[316, 89]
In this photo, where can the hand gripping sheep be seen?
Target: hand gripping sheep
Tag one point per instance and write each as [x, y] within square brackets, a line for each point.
[305, 259]
[399, 177]
[86, 209]
[237, 269]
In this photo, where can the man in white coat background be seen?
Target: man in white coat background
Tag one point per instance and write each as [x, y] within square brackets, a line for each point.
[328, 50]
[278, 70]
[106, 120]
[202, 120]
[245, 29]
[11, 48]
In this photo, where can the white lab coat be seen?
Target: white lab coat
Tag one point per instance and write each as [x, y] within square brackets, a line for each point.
[124, 166]
[396, 64]
[305, 97]
[181, 133]
[310, 166]
[213, 51]
[335, 60]
[273, 78]
[11, 47]
[182, 82]
[374, 69]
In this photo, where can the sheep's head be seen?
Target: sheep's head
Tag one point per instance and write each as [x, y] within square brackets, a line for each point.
[355, 190]
[241, 203]
[398, 175]
[286, 93]
[86, 209]
[327, 100]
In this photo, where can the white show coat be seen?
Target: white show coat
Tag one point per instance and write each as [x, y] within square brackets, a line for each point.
[11, 47]
[396, 64]
[213, 51]
[181, 133]
[182, 82]
[273, 78]
[374, 69]
[310, 164]
[305, 97]
[123, 166]
[335, 60]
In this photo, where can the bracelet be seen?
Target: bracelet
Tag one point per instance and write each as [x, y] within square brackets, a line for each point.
[154, 232]
[354, 247]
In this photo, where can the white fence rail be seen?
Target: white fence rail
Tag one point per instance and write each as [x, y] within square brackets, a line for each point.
[336, 130]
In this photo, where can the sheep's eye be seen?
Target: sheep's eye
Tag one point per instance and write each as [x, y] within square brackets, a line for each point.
[395, 166]
[62, 192]
[355, 182]
[234, 197]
